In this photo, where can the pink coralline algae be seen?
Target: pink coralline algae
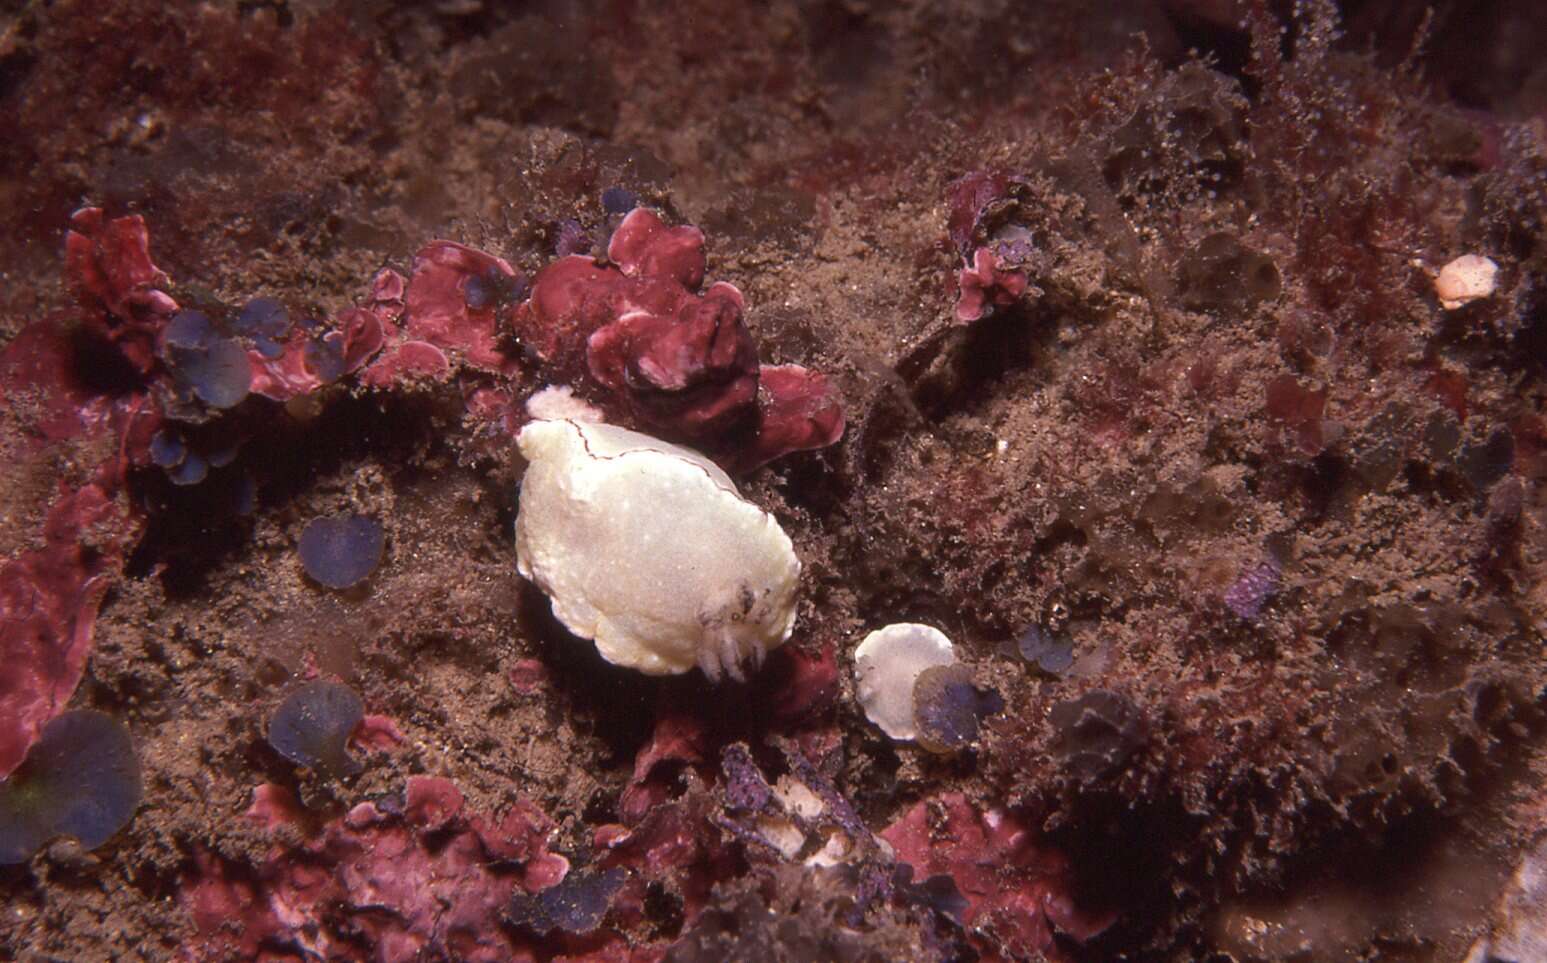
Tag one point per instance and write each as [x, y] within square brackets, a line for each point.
[983, 285]
[665, 837]
[694, 371]
[423, 879]
[48, 609]
[678, 738]
[408, 329]
[1017, 891]
[308, 360]
[801, 686]
[110, 271]
[679, 361]
[644, 247]
[984, 282]
[799, 413]
[453, 298]
[671, 847]
[49, 594]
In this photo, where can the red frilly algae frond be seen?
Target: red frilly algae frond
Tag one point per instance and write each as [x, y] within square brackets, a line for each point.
[1018, 891]
[49, 594]
[693, 372]
[452, 301]
[110, 271]
[679, 362]
[48, 606]
[419, 875]
[643, 246]
[984, 285]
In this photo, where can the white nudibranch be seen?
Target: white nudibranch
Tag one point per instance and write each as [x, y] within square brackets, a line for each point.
[648, 549]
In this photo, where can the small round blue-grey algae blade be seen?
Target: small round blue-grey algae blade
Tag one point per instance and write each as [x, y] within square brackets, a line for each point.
[167, 450]
[577, 905]
[325, 359]
[1053, 654]
[80, 779]
[311, 727]
[263, 318]
[219, 375]
[189, 330]
[341, 551]
[190, 471]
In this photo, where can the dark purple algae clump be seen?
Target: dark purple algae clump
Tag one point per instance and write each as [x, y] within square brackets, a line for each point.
[167, 450]
[618, 200]
[939, 892]
[1251, 591]
[1053, 654]
[1097, 733]
[342, 550]
[577, 905]
[190, 471]
[80, 779]
[312, 726]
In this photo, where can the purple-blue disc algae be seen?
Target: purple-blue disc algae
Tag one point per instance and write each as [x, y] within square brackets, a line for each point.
[190, 471]
[189, 330]
[618, 200]
[1097, 733]
[576, 906]
[263, 317]
[80, 779]
[268, 347]
[341, 551]
[948, 707]
[167, 449]
[312, 726]
[1053, 653]
[324, 358]
[1252, 589]
[218, 373]
[572, 239]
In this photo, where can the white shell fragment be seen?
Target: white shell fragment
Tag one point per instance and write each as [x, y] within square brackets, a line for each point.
[1468, 278]
[648, 549]
[886, 666]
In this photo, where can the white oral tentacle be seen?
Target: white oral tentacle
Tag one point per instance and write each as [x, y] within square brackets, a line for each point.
[708, 661]
[730, 657]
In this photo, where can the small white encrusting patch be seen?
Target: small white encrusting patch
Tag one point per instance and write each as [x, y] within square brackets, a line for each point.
[886, 666]
[558, 401]
[1468, 278]
[648, 549]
